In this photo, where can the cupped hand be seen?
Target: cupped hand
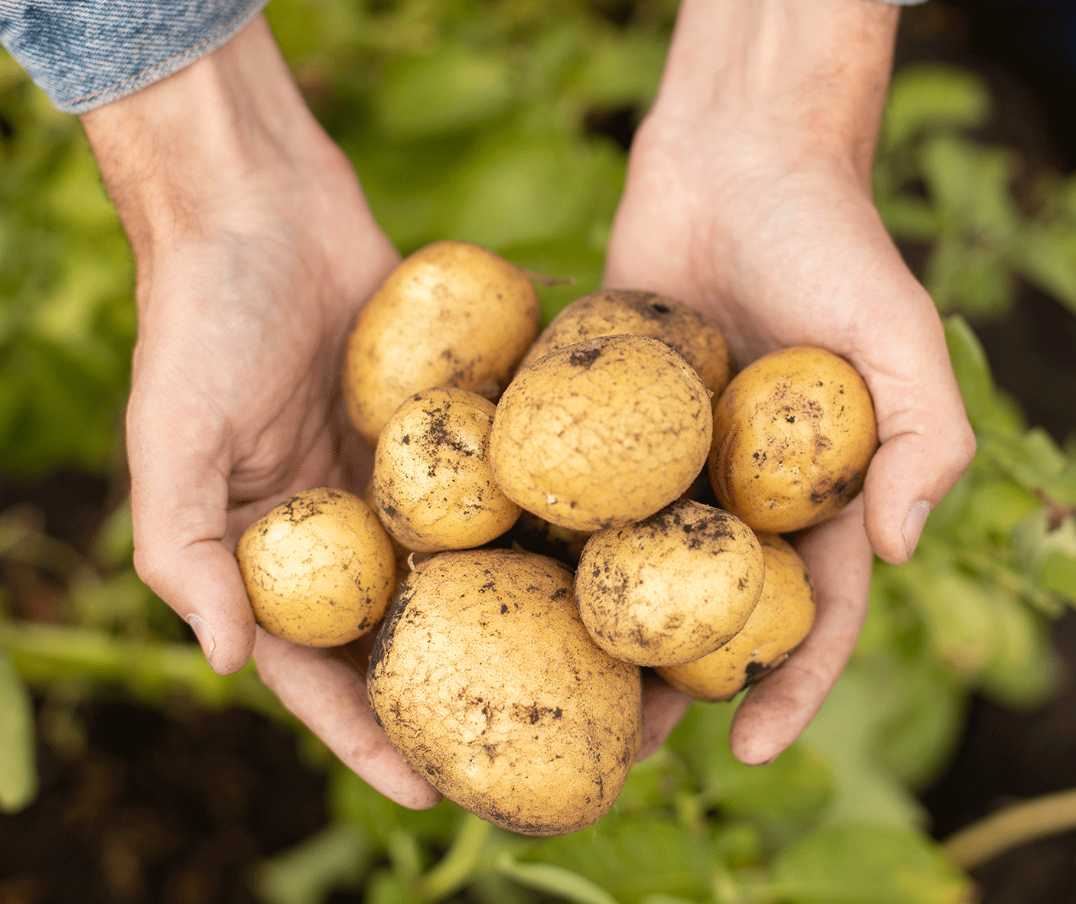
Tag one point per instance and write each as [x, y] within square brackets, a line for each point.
[254, 249]
[781, 244]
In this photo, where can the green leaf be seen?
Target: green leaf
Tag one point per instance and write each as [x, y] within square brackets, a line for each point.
[970, 366]
[526, 189]
[554, 880]
[630, 858]
[444, 91]
[786, 795]
[18, 757]
[970, 185]
[910, 219]
[930, 97]
[334, 858]
[1059, 575]
[1046, 257]
[867, 864]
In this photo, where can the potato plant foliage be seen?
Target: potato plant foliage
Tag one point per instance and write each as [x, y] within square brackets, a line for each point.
[473, 121]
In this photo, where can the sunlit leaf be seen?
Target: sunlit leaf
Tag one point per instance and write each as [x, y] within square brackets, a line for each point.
[867, 864]
[926, 97]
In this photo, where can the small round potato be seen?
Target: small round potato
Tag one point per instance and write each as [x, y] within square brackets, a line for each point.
[601, 433]
[671, 588]
[793, 435]
[451, 314]
[486, 682]
[778, 624]
[433, 486]
[611, 312]
[319, 569]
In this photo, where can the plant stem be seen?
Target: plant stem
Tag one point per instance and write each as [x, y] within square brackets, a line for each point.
[452, 871]
[1013, 826]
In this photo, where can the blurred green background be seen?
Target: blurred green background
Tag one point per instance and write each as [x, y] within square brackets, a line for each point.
[506, 124]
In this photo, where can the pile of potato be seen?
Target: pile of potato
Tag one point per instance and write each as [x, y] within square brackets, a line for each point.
[536, 532]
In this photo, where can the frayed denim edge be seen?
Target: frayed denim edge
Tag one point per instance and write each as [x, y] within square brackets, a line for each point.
[162, 70]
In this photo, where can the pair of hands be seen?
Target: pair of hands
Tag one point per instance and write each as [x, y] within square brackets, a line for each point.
[255, 247]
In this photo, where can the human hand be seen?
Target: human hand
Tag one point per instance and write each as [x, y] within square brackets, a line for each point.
[748, 195]
[254, 248]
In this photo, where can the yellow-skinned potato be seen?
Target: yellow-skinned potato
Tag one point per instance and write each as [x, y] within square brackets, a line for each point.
[601, 433]
[793, 435]
[671, 588]
[433, 486]
[611, 312]
[319, 569]
[486, 682]
[451, 314]
[779, 623]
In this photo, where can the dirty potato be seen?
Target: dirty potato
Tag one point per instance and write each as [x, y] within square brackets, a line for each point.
[433, 486]
[319, 569]
[671, 588]
[451, 314]
[793, 435]
[601, 433]
[486, 682]
[610, 312]
[777, 625]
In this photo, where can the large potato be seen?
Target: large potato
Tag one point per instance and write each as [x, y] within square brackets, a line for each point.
[671, 588]
[793, 435]
[485, 680]
[319, 569]
[611, 312]
[601, 433]
[433, 486]
[777, 625]
[451, 314]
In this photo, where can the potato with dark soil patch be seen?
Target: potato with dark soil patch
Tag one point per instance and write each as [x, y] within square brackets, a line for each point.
[451, 314]
[319, 569]
[777, 625]
[601, 433]
[793, 435]
[611, 312]
[433, 486]
[671, 588]
[485, 680]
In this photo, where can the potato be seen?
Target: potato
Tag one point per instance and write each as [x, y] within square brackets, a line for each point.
[793, 435]
[601, 433]
[319, 569]
[671, 588]
[433, 486]
[485, 680]
[779, 623]
[451, 314]
[611, 312]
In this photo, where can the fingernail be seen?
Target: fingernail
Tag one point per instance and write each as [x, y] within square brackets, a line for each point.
[913, 525]
[204, 635]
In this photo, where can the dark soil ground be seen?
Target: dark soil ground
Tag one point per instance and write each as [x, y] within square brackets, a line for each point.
[175, 807]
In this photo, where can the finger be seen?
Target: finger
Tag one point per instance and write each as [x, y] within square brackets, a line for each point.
[778, 708]
[179, 498]
[329, 697]
[926, 440]
[663, 708]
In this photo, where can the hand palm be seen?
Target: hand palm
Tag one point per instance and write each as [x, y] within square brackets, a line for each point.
[787, 250]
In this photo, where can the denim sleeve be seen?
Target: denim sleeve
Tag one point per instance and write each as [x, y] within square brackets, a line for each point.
[85, 53]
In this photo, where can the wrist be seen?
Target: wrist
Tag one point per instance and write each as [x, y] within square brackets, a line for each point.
[189, 141]
[805, 76]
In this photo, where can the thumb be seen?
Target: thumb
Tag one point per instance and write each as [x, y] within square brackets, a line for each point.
[179, 498]
[926, 445]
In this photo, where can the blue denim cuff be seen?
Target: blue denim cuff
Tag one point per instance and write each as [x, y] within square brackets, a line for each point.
[85, 53]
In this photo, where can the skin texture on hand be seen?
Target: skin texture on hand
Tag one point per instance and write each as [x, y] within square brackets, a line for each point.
[748, 196]
[254, 249]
